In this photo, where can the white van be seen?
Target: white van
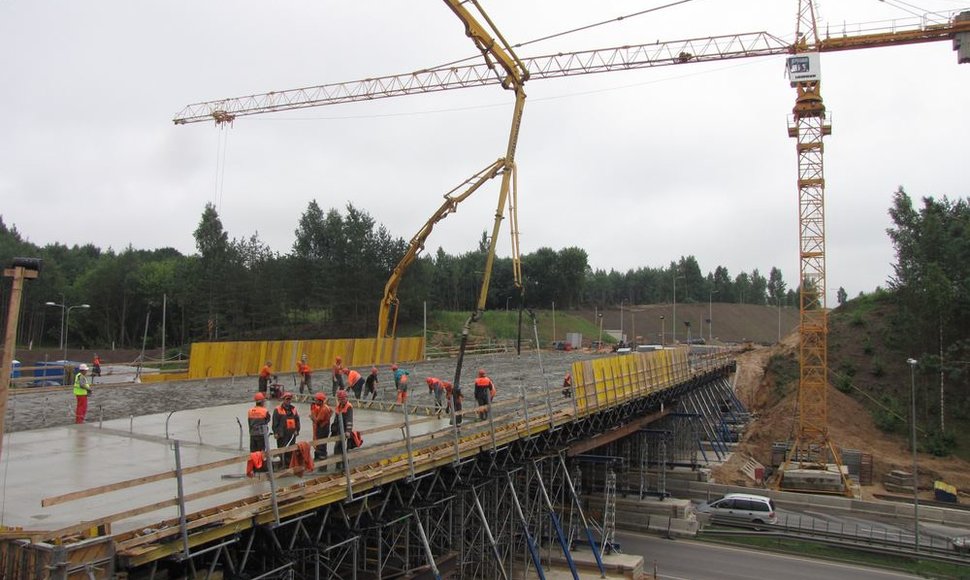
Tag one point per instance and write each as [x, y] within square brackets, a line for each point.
[741, 508]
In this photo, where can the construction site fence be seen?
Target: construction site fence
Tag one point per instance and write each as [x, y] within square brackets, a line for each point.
[240, 358]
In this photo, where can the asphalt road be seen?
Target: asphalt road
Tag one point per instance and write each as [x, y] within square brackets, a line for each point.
[690, 560]
[28, 409]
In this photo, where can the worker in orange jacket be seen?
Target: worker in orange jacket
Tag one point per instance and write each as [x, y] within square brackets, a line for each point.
[402, 389]
[454, 397]
[437, 388]
[258, 418]
[567, 386]
[320, 413]
[343, 424]
[355, 382]
[286, 425]
[264, 374]
[484, 393]
[303, 369]
[338, 376]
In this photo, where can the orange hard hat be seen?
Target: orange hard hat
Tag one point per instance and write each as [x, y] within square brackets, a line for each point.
[339, 359]
[430, 380]
[394, 367]
[320, 397]
[287, 395]
[373, 370]
[259, 397]
[481, 372]
[342, 395]
[346, 371]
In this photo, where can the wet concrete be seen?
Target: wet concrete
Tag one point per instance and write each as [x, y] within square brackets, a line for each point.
[28, 409]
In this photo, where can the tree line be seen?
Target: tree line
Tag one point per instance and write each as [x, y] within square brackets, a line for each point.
[328, 285]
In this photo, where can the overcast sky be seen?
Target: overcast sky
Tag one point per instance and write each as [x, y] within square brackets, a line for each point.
[637, 167]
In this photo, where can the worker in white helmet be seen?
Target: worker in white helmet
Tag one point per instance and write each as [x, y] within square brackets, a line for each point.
[82, 388]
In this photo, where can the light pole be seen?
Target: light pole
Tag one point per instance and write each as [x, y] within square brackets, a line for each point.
[912, 381]
[710, 317]
[65, 321]
[600, 316]
[663, 331]
[553, 320]
[621, 320]
[60, 343]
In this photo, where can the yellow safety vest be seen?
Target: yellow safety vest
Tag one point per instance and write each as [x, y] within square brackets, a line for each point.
[81, 385]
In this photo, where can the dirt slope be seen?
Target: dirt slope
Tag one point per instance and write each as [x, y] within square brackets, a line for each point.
[850, 425]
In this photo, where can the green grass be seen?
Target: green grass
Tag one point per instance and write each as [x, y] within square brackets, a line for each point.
[504, 325]
[814, 550]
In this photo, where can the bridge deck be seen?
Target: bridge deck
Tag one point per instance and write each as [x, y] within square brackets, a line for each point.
[120, 477]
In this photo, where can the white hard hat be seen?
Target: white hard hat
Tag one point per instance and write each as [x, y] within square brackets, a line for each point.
[83, 367]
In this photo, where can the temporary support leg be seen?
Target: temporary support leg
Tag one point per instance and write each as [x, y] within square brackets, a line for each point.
[533, 550]
[427, 546]
[582, 518]
[609, 512]
[488, 534]
[272, 478]
[554, 518]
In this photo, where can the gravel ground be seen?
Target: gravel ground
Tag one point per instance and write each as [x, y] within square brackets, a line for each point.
[49, 407]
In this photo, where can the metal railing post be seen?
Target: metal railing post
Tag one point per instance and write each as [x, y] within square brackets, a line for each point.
[407, 439]
[183, 528]
[272, 475]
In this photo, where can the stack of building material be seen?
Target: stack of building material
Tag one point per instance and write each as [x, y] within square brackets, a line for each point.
[898, 481]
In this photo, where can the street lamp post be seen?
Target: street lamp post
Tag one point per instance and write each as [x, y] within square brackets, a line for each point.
[67, 321]
[663, 331]
[621, 319]
[600, 316]
[912, 381]
[710, 317]
[60, 343]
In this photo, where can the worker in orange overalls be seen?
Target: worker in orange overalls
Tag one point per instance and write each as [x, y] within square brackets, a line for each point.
[402, 389]
[258, 417]
[303, 369]
[320, 414]
[567, 386]
[264, 374]
[338, 375]
[96, 371]
[484, 393]
[355, 382]
[286, 425]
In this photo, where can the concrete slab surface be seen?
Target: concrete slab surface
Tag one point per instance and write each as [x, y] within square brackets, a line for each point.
[48, 462]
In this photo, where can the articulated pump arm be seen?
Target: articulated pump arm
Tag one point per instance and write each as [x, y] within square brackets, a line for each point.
[387, 323]
[515, 76]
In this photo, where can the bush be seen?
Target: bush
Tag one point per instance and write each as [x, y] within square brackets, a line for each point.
[940, 444]
[878, 369]
[867, 346]
[858, 319]
[887, 417]
[843, 383]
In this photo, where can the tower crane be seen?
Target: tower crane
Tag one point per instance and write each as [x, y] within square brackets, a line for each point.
[808, 126]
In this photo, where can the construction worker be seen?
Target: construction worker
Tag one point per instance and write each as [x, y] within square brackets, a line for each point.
[259, 418]
[454, 397]
[96, 371]
[370, 384]
[355, 382]
[567, 386]
[320, 414]
[436, 387]
[303, 369]
[82, 388]
[264, 374]
[343, 424]
[286, 425]
[338, 375]
[402, 388]
[484, 393]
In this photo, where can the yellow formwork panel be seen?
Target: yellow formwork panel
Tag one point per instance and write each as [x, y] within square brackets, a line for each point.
[224, 359]
[604, 382]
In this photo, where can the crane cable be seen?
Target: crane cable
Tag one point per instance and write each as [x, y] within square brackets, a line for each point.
[222, 146]
[571, 31]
